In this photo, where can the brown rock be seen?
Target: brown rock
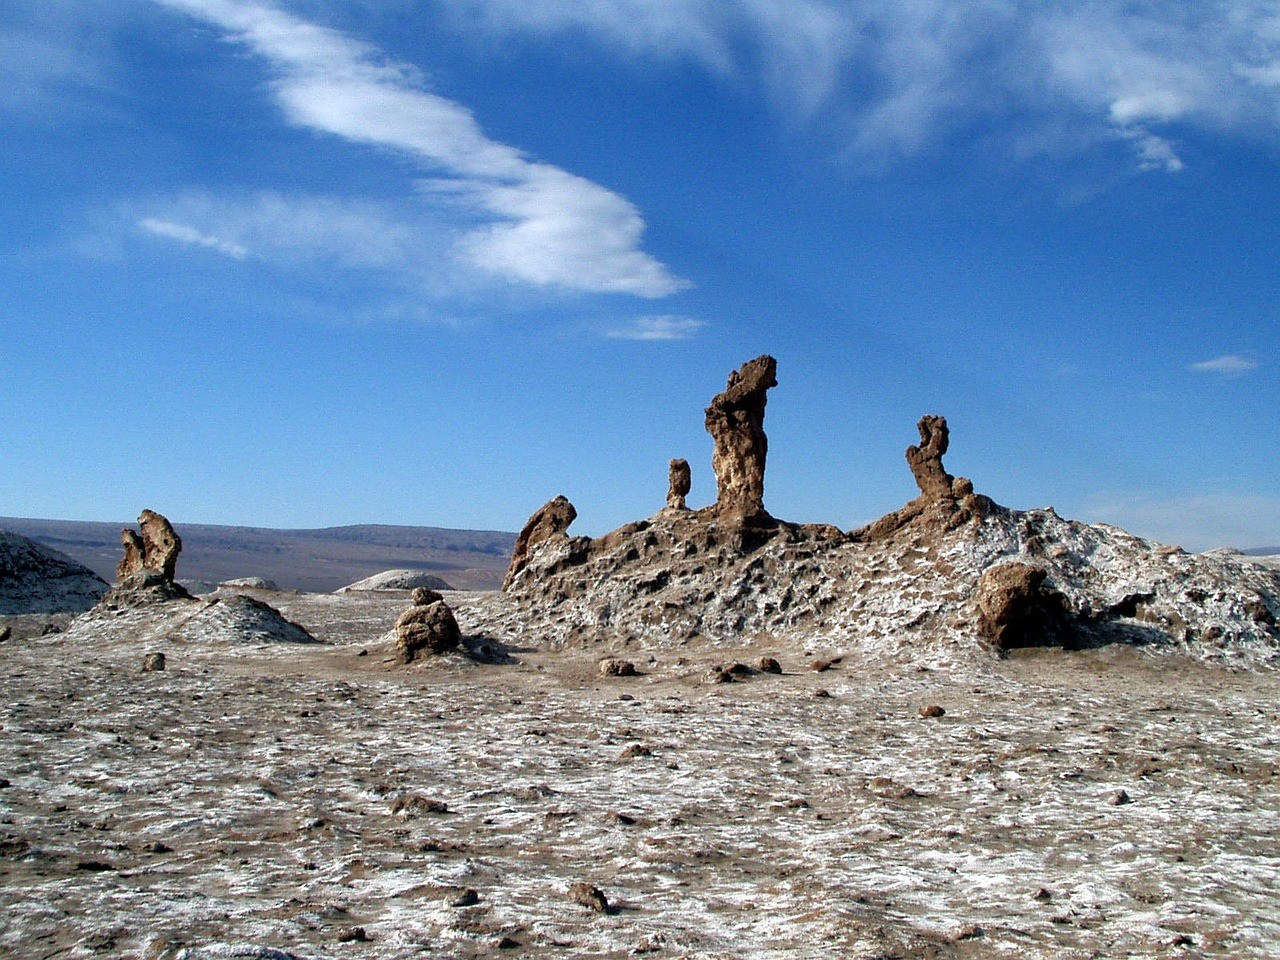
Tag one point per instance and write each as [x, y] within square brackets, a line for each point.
[679, 481]
[735, 420]
[424, 597]
[153, 662]
[926, 460]
[551, 519]
[156, 550]
[613, 667]
[5, 633]
[131, 563]
[1017, 609]
[769, 665]
[590, 897]
[932, 710]
[432, 629]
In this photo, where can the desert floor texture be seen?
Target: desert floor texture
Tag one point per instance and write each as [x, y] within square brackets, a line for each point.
[323, 801]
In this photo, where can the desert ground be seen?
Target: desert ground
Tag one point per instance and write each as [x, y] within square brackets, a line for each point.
[322, 800]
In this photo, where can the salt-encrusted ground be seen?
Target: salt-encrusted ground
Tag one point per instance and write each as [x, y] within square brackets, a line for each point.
[245, 797]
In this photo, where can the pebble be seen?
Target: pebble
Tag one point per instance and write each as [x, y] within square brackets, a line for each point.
[932, 710]
[614, 667]
[468, 898]
[353, 935]
[1120, 798]
[153, 663]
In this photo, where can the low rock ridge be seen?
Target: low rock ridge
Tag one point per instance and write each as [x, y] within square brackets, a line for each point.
[950, 574]
[38, 579]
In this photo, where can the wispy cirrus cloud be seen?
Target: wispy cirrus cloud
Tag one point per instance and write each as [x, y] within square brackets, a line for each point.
[539, 224]
[192, 237]
[906, 74]
[657, 328]
[1228, 365]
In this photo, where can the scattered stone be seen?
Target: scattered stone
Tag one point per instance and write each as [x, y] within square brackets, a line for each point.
[614, 667]
[769, 665]
[679, 481]
[635, 750]
[153, 663]
[734, 668]
[819, 693]
[468, 898]
[1119, 799]
[716, 675]
[156, 846]
[624, 819]
[508, 943]
[5, 633]
[414, 804]
[819, 666]
[552, 519]
[352, 935]
[735, 420]
[590, 897]
[49, 629]
[1042, 893]
[932, 710]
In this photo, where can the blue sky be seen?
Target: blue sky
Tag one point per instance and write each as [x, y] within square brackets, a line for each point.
[306, 262]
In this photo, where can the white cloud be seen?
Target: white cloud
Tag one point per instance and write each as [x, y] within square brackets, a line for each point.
[903, 73]
[542, 225]
[1220, 519]
[192, 236]
[657, 328]
[1230, 365]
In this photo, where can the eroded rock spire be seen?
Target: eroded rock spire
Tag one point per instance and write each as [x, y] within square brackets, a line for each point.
[735, 420]
[156, 550]
[679, 481]
[551, 519]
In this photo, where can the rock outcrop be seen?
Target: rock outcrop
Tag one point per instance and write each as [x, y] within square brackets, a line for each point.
[426, 627]
[38, 579]
[735, 420]
[951, 575]
[552, 519]
[156, 549]
[679, 481]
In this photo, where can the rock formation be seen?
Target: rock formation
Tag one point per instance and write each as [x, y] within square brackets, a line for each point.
[156, 550]
[949, 575]
[427, 626]
[1017, 609]
[397, 580]
[944, 503]
[552, 519]
[679, 480]
[735, 420]
[925, 460]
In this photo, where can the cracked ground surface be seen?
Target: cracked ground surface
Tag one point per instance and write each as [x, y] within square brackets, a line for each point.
[317, 802]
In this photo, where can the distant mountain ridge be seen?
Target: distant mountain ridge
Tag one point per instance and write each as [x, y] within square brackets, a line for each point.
[319, 560]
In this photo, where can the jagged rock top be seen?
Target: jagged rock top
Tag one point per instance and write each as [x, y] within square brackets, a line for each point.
[38, 579]
[735, 420]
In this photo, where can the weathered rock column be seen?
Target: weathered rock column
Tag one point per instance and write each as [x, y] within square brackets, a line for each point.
[735, 420]
[679, 481]
[925, 460]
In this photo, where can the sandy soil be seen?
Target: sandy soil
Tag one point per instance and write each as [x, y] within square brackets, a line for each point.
[320, 802]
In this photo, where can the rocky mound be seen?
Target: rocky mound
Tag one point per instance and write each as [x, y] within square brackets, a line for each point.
[148, 605]
[397, 580]
[37, 579]
[250, 583]
[951, 574]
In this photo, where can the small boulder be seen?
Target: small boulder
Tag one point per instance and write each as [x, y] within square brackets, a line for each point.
[614, 667]
[430, 629]
[153, 663]
[932, 711]
[679, 481]
[590, 897]
[769, 665]
[1016, 608]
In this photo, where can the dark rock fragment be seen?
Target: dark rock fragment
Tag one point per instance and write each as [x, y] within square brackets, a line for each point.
[590, 897]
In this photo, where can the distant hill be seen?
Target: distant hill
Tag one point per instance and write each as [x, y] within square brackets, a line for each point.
[1262, 551]
[312, 560]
